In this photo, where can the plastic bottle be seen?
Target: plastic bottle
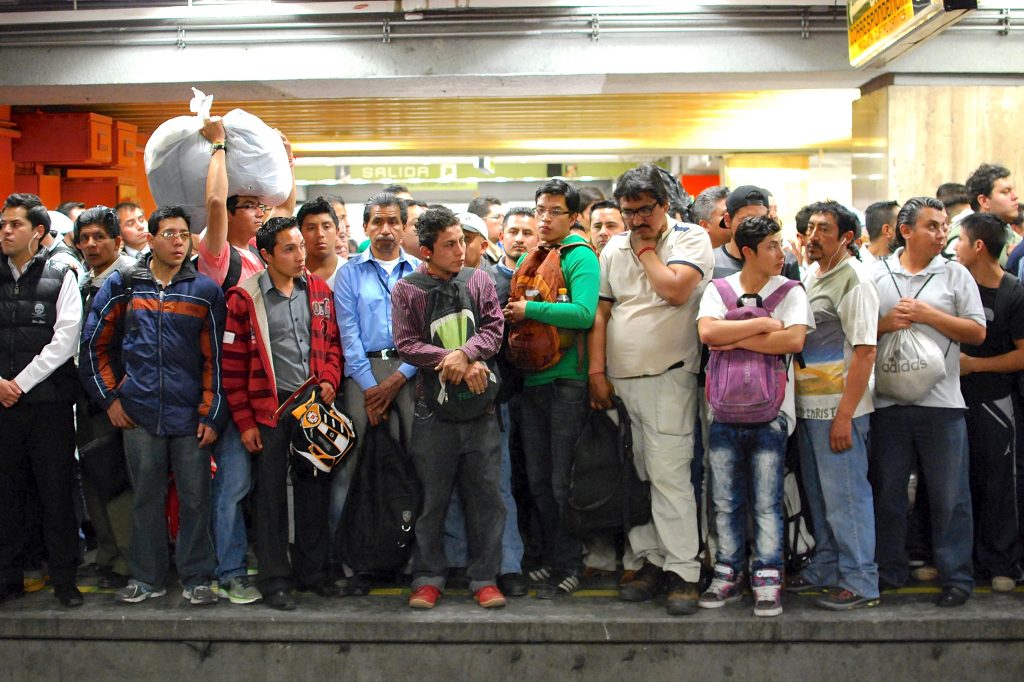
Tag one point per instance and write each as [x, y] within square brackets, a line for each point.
[563, 296]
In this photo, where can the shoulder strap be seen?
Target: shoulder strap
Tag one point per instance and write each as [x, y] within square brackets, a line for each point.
[234, 272]
[885, 262]
[775, 298]
[421, 280]
[925, 284]
[727, 293]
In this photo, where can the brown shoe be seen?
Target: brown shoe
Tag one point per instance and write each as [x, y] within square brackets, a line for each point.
[681, 596]
[648, 584]
[628, 576]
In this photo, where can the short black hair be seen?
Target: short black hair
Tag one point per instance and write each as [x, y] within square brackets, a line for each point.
[127, 205]
[1019, 220]
[232, 203]
[266, 236]
[433, 222]
[518, 210]
[589, 195]
[383, 200]
[983, 181]
[165, 212]
[481, 206]
[606, 203]
[645, 179]
[34, 209]
[989, 229]
[846, 219]
[952, 193]
[878, 215]
[396, 189]
[68, 206]
[908, 214]
[802, 218]
[704, 204]
[753, 231]
[560, 188]
[98, 215]
[316, 207]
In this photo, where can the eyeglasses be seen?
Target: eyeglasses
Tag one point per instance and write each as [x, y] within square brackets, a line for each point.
[552, 212]
[643, 212]
[497, 217]
[171, 235]
[262, 207]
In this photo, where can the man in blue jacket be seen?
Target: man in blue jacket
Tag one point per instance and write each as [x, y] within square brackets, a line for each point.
[150, 357]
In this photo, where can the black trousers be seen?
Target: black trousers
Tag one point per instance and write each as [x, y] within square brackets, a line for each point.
[311, 496]
[37, 450]
[991, 437]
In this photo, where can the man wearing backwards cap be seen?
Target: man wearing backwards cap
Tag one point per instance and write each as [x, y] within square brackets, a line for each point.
[475, 231]
[746, 201]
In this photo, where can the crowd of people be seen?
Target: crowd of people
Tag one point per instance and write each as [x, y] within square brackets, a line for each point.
[883, 362]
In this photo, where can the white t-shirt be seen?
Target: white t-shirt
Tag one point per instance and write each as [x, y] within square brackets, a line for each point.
[388, 265]
[792, 310]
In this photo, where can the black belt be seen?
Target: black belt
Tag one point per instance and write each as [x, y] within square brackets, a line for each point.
[384, 354]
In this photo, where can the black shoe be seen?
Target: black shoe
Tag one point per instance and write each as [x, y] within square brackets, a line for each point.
[11, 591]
[648, 583]
[280, 600]
[513, 584]
[681, 596]
[952, 596]
[324, 589]
[93, 570]
[112, 580]
[68, 595]
[357, 586]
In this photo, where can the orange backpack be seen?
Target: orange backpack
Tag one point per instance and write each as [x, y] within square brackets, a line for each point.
[533, 345]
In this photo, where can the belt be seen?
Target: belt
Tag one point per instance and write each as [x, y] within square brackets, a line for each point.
[384, 354]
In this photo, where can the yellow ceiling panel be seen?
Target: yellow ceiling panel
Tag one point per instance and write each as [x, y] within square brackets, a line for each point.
[634, 123]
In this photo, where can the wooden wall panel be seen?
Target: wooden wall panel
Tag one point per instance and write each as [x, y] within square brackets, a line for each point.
[927, 135]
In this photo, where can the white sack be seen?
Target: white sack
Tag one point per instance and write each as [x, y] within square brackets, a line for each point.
[178, 157]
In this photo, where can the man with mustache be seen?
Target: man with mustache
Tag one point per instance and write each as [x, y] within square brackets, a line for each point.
[605, 223]
[378, 385]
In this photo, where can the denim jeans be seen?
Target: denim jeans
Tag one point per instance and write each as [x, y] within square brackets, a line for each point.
[466, 455]
[553, 416]
[935, 437]
[748, 458]
[842, 511]
[149, 459]
[455, 541]
[231, 485]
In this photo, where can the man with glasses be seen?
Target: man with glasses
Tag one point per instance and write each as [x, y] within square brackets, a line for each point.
[150, 357]
[554, 401]
[489, 208]
[644, 343]
[227, 257]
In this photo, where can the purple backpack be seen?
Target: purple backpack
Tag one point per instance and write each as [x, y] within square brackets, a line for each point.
[744, 386]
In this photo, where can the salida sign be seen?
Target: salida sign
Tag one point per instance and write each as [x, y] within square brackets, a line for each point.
[398, 172]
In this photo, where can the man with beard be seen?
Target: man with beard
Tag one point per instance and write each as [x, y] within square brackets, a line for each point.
[880, 223]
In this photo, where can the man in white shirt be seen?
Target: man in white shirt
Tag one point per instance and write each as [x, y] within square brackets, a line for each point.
[40, 320]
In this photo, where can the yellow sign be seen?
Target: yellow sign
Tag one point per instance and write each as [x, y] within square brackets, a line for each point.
[877, 25]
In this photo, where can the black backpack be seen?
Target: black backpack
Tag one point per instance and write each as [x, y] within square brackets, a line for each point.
[605, 493]
[449, 306]
[376, 528]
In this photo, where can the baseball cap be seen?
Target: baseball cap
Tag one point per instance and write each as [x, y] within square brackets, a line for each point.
[60, 223]
[473, 223]
[745, 195]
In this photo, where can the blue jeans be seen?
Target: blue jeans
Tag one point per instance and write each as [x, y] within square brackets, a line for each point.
[935, 438]
[231, 484]
[748, 458]
[148, 459]
[455, 542]
[842, 511]
[553, 416]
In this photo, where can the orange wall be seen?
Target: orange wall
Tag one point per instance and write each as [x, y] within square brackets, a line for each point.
[6, 161]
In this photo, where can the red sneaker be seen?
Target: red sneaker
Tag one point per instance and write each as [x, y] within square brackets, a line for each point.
[424, 597]
[490, 597]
